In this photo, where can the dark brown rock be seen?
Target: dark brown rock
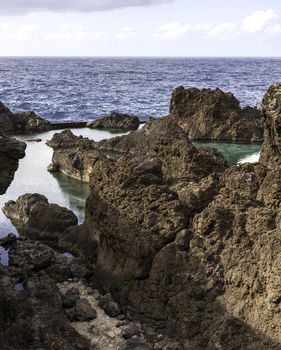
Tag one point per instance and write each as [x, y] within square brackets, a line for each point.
[271, 110]
[215, 115]
[22, 122]
[74, 156]
[11, 150]
[118, 121]
[36, 218]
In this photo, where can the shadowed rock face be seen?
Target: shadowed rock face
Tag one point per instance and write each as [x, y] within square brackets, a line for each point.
[11, 151]
[118, 121]
[271, 110]
[216, 115]
[21, 122]
[194, 254]
[37, 219]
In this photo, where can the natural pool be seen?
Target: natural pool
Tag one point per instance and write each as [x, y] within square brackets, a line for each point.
[33, 177]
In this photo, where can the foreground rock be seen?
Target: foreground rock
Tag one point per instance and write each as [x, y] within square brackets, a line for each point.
[31, 312]
[35, 218]
[193, 253]
[215, 115]
[271, 110]
[22, 122]
[118, 121]
[11, 151]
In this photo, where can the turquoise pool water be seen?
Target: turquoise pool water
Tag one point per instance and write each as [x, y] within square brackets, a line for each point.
[33, 177]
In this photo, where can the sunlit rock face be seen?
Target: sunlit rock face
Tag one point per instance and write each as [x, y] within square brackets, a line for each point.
[11, 150]
[271, 110]
[215, 115]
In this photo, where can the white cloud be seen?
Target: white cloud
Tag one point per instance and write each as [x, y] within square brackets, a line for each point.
[126, 33]
[29, 6]
[71, 32]
[259, 21]
[224, 31]
[172, 31]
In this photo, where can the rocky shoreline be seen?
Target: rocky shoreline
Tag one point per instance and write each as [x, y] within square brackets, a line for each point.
[178, 250]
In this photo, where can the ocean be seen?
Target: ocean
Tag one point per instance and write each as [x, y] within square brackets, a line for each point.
[71, 89]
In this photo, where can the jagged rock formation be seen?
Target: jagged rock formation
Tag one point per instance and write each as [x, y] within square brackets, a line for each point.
[198, 261]
[215, 115]
[35, 218]
[163, 138]
[115, 120]
[11, 150]
[271, 111]
[22, 122]
[74, 156]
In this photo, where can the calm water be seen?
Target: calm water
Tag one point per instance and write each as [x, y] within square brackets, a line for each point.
[86, 88]
[33, 177]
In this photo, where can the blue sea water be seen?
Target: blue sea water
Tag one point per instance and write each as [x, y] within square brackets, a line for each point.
[63, 89]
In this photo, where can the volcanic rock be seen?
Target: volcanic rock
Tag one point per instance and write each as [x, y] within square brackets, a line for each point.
[35, 218]
[118, 121]
[22, 122]
[215, 115]
[11, 150]
[271, 111]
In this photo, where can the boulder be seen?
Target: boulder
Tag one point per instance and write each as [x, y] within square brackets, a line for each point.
[115, 120]
[11, 150]
[215, 115]
[36, 218]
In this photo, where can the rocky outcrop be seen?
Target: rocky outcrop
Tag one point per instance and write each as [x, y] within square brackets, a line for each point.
[31, 310]
[11, 150]
[193, 253]
[22, 122]
[271, 110]
[74, 156]
[164, 139]
[35, 218]
[215, 115]
[115, 120]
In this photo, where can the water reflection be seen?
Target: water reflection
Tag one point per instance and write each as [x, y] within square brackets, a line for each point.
[33, 177]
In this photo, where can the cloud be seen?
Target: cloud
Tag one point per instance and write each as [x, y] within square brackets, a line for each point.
[72, 33]
[172, 31]
[28, 6]
[259, 21]
[224, 31]
[126, 33]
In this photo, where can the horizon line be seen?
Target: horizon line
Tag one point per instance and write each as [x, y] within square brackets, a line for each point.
[144, 56]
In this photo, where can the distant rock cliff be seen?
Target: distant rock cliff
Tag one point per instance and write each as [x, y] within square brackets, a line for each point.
[215, 115]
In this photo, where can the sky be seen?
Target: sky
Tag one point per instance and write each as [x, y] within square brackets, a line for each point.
[140, 28]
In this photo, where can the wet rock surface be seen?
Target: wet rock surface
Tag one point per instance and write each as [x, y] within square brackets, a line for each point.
[117, 121]
[11, 150]
[215, 115]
